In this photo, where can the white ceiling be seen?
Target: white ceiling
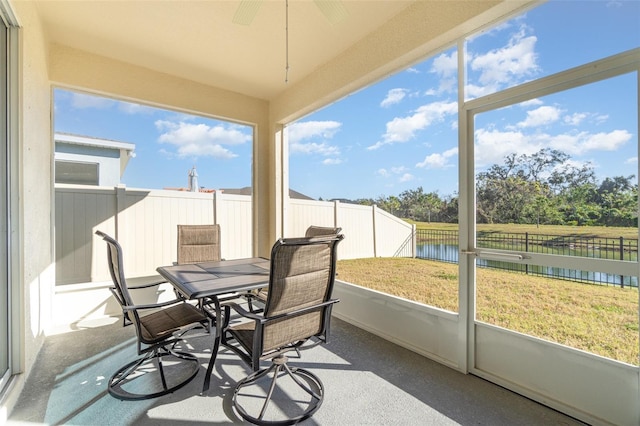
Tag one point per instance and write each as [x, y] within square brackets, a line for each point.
[198, 40]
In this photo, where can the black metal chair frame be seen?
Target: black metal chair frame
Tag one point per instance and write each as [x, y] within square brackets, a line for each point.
[260, 295]
[155, 347]
[306, 380]
[116, 294]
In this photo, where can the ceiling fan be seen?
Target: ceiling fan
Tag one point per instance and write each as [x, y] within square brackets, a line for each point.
[333, 10]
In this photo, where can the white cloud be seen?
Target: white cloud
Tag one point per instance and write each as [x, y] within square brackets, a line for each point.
[406, 177]
[575, 119]
[584, 142]
[505, 66]
[438, 161]
[509, 63]
[632, 160]
[445, 66]
[475, 91]
[331, 161]
[601, 118]
[541, 116]
[493, 145]
[166, 153]
[311, 129]
[496, 29]
[571, 163]
[605, 141]
[195, 140]
[445, 85]
[398, 173]
[394, 96]
[376, 145]
[314, 148]
[321, 130]
[82, 101]
[129, 108]
[403, 129]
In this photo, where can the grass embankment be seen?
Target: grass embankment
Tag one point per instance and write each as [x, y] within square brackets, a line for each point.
[599, 319]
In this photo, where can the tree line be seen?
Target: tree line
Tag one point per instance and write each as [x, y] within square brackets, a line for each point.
[542, 188]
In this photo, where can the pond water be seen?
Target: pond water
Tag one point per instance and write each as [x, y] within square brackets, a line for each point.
[450, 253]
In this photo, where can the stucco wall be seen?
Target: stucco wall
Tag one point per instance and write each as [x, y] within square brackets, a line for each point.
[35, 185]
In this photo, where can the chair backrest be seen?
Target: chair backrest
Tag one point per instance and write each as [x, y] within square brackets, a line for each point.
[302, 275]
[198, 243]
[316, 231]
[114, 257]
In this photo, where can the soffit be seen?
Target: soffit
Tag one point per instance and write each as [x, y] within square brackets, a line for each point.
[198, 40]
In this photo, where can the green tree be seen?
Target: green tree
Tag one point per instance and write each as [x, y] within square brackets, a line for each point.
[543, 207]
[449, 210]
[617, 198]
[541, 188]
[392, 204]
[578, 205]
[503, 195]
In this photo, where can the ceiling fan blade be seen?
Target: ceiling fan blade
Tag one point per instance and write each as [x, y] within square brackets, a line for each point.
[333, 10]
[246, 11]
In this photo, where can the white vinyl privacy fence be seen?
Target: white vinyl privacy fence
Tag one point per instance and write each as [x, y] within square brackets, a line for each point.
[145, 223]
[369, 231]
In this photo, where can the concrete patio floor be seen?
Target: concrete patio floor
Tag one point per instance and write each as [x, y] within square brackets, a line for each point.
[368, 381]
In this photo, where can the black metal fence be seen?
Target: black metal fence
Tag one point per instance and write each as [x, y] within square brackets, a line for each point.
[442, 245]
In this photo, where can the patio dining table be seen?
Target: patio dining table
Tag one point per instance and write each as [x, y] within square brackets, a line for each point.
[210, 281]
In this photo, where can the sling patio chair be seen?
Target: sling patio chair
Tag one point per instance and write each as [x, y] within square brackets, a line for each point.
[260, 295]
[198, 243]
[316, 231]
[159, 328]
[298, 307]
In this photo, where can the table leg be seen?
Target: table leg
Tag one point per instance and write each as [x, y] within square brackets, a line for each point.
[216, 344]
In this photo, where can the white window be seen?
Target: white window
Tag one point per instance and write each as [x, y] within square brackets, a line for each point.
[78, 173]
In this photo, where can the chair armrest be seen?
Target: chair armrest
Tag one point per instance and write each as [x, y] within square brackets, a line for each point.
[146, 281]
[261, 319]
[243, 312]
[147, 285]
[300, 311]
[152, 305]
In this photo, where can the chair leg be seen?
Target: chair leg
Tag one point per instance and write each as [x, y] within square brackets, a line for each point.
[271, 388]
[302, 378]
[293, 372]
[134, 382]
[161, 371]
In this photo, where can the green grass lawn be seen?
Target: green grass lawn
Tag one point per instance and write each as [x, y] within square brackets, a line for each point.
[598, 319]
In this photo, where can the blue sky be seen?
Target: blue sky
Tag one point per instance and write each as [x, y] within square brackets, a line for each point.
[401, 133]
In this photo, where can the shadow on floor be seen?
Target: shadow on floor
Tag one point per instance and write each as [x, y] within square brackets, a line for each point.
[368, 381]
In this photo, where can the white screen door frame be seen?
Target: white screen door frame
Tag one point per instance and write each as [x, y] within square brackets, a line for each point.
[574, 382]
